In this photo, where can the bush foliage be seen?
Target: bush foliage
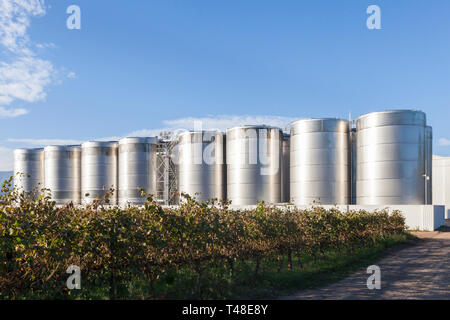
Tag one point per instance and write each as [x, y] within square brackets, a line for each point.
[153, 245]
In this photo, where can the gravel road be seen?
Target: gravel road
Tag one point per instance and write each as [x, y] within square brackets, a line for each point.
[420, 271]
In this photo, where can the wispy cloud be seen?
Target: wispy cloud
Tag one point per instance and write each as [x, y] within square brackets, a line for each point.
[12, 113]
[44, 142]
[147, 132]
[220, 122]
[444, 142]
[24, 79]
[223, 122]
[208, 123]
[26, 76]
[49, 45]
[14, 21]
[113, 138]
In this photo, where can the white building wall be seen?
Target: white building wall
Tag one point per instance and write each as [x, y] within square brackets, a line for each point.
[441, 183]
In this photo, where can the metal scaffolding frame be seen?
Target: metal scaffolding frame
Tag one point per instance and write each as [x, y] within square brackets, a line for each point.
[166, 173]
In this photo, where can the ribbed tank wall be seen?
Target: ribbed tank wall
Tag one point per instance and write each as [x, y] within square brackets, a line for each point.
[353, 165]
[391, 158]
[63, 173]
[429, 162]
[254, 160]
[320, 163]
[29, 170]
[201, 165]
[98, 170]
[285, 177]
[137, 169]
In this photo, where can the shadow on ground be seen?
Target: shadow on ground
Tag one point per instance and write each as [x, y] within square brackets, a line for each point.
[421, 271]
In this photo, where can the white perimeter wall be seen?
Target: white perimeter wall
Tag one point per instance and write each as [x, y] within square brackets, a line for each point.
[417, 217]
[441, 183]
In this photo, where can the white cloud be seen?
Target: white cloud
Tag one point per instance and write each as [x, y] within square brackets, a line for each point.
[72, 75]
[11, 113]
[26, 76]
[14, 21]
[49, 45]
[24, 79]
[115, 138]
[223, 122]
[45, 142]
[6, 159]
[147, 132]
[443, 142]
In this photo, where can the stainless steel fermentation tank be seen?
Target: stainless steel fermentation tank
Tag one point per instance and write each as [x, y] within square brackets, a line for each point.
[353, 165]
[429, 164]
[285, 179]
[29, 170]
[254, 161]
[393, 157]
[137, 169]
[63, 173]
[98, 170]
[320, 162]
[386, 159]
[201, 164]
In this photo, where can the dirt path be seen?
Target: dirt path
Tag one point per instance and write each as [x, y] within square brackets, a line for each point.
[420, 271]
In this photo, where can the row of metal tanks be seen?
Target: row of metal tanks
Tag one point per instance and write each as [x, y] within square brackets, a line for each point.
[81, 174]
[385, 159]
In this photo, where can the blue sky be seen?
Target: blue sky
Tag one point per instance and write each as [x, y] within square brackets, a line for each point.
[139, 66]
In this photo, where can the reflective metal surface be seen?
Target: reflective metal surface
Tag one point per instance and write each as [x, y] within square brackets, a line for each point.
[429, 163]
[254, 158]
[391, 158]
[63, 173]
[201, 164]
[320, 162]
[353, 165]
[98, 170]
[137, 169]
[285, 181]
[29, 170]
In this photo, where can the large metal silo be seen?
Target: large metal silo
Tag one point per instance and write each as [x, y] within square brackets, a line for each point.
[63, 173]
[137, 169]
[29, 170]
[320, 162]
[99, 170]
[254, 161]
[353, 165]
[429, 163]
[285, 164]
[391, 158]
[201, 164]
